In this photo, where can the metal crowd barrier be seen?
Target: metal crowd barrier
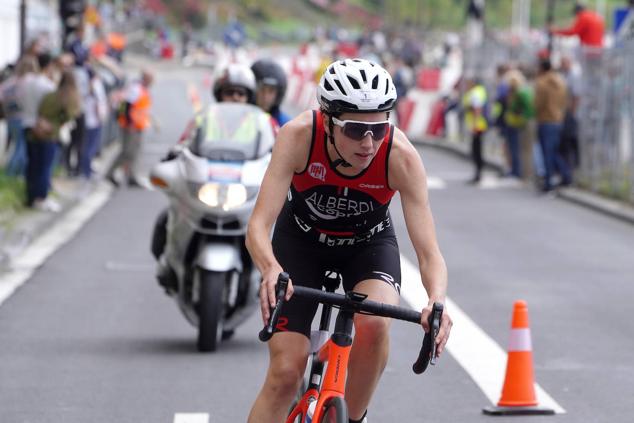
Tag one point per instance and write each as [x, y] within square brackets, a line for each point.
[606, 121]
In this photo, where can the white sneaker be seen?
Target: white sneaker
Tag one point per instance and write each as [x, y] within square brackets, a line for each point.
[47, 205]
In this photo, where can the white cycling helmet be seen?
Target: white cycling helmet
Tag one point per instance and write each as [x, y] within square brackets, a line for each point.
[356, 85]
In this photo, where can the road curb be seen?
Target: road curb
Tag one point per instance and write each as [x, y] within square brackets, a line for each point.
[593, 201]
[578, 196]
[31, 225]
[460, 149]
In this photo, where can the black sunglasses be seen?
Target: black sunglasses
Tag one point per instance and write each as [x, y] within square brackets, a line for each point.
[230, 92]
[357, 130]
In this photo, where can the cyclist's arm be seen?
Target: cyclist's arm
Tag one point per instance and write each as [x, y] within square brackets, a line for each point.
[290, 153]
[407, 175]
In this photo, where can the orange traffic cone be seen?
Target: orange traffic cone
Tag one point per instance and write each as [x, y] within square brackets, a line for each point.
[518, 393]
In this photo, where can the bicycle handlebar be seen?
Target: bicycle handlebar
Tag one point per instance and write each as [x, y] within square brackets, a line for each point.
[427, 352]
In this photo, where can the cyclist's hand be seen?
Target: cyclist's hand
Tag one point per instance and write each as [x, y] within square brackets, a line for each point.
[267, 292]
[445, 327]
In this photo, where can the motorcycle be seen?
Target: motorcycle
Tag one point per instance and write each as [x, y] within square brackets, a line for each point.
[212, 182]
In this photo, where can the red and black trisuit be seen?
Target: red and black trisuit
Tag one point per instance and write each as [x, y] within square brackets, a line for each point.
[334, 222]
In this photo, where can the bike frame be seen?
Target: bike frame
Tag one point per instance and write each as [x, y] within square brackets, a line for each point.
[335, 350]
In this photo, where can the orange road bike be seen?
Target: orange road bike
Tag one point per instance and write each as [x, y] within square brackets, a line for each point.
[332, 354]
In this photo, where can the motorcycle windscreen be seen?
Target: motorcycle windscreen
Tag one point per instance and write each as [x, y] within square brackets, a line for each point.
[233, 132]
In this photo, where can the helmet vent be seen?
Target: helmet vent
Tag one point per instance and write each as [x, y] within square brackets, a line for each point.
[327, 86]
[387, 88]
[365, 78]
[375, 82]
[340, 87]
[354, 82]
[332, 70]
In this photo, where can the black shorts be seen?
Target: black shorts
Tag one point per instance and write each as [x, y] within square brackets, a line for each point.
[307, 261]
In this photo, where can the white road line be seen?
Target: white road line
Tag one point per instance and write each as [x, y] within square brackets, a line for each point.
[481, 357]
[191, 418]
[35, 254]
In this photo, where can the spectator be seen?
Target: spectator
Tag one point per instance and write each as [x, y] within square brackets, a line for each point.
[550, 106]
[519, 111]
[474, 102]
[35, 87]
[55, 109]
[588, 26]
[569, 147]
[134, 119]
[10, 95]
[499, 108]
[80, 55]
[96, 113]
[403, 77]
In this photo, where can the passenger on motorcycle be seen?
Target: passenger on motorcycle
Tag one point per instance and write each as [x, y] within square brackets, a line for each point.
[271, 88]
[328, 188]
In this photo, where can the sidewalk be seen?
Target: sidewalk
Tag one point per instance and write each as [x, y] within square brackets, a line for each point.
[584, 198]
[19, 231]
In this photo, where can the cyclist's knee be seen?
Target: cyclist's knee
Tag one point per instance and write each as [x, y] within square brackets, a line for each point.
[371, 328]
[284, 378]
[289, 354]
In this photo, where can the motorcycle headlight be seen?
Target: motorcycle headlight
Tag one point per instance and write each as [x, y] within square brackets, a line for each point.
[227, 196]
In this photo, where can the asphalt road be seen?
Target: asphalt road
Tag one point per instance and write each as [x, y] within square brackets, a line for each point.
[92, 338]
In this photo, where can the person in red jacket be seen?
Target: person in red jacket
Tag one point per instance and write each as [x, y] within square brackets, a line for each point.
[588, 26]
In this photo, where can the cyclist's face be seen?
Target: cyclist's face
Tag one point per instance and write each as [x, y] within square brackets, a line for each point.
[356, 138]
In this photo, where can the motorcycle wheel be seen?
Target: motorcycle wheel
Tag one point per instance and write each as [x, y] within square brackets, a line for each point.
[210, 310]
[159, 235]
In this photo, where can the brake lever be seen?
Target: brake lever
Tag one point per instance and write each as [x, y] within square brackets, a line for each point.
[280, 294]
[427, 353]
[434, 325]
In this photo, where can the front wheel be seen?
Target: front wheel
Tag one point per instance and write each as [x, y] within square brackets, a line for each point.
[210, 309]
[335, 411]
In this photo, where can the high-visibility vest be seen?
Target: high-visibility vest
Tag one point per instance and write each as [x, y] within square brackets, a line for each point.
[479, 95]
[139, 112]
[117, 41]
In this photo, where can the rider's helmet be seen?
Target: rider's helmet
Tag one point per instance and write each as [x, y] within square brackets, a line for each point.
[235, 75]
[354, 86]
[267, 72]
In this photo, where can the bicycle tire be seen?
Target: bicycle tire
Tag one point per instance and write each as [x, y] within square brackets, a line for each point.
[335, 411]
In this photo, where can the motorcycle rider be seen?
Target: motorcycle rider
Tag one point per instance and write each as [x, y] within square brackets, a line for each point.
[234, 84]
[271, 88]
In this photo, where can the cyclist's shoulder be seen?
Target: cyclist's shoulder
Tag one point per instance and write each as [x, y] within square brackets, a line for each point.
[295, 137]
[404, 160]
[402, 148]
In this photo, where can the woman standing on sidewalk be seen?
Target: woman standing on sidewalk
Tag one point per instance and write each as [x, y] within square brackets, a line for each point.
[10, 94]
[95, 114]
[55, 110]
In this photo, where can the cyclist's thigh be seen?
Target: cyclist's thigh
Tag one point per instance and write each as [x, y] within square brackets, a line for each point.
[302, 261]
[377, 260]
